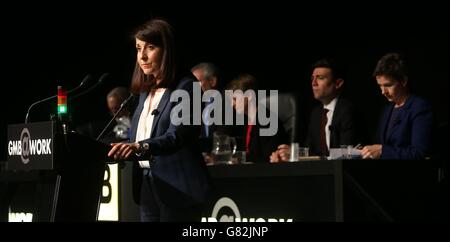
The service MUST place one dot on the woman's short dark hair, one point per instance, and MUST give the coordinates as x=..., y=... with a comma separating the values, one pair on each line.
x=157, y=32
x=393, y=66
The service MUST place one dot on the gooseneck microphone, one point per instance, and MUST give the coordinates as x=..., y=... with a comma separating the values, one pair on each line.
x=124, y=103
x=83, y=82
x=100, y=81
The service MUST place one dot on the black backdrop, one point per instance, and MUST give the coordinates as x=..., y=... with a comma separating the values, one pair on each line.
x=46, y=44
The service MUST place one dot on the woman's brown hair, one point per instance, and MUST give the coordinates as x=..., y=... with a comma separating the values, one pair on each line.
x=157, y=32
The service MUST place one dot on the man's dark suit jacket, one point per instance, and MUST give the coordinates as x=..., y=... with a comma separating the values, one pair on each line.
x=411, y=134
x=344, y=127
x=179, y=172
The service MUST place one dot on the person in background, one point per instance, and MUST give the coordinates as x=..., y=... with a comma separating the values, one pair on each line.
x=119, y=131
x=119, y=128
x=171, y=179
x=208, y=76
x=258, y=148
x=332, y=123
x=405, y=130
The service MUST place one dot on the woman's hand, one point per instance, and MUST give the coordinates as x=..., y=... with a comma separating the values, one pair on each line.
x=122, y=151
x=371, y=151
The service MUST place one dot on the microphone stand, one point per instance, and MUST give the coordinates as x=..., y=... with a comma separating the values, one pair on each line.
x=114, y=117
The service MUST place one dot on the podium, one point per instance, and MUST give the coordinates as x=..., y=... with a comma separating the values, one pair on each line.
x=70, y=169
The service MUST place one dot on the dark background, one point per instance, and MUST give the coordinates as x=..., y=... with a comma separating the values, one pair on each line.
x=48, y=44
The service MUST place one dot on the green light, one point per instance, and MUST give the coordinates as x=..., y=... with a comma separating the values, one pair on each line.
x=62, y=109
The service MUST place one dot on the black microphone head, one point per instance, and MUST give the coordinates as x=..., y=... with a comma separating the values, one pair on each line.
x=86, y=79
x=100, y=80
x=103, y=77
x=83, y=82
x=131, y=96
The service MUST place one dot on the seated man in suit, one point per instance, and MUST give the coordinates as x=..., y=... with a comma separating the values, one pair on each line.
x=332, y=123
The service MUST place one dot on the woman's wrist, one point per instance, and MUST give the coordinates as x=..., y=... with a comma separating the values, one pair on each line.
x=141, y=148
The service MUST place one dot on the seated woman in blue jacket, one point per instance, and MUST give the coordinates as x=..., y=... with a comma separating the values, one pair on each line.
x=405, y=129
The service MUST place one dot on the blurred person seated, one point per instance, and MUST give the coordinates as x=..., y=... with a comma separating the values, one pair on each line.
x=258, y=147
x=209, y=78
x=118, y=131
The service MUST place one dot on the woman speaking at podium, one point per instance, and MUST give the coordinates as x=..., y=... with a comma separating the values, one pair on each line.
x=170, y=179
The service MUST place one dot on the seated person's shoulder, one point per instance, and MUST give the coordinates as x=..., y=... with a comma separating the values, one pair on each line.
x=420, y=103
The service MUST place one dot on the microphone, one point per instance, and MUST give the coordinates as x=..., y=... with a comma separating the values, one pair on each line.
x=100, y=81
x=124, y=103
x=155, y=112
x=83, y=82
